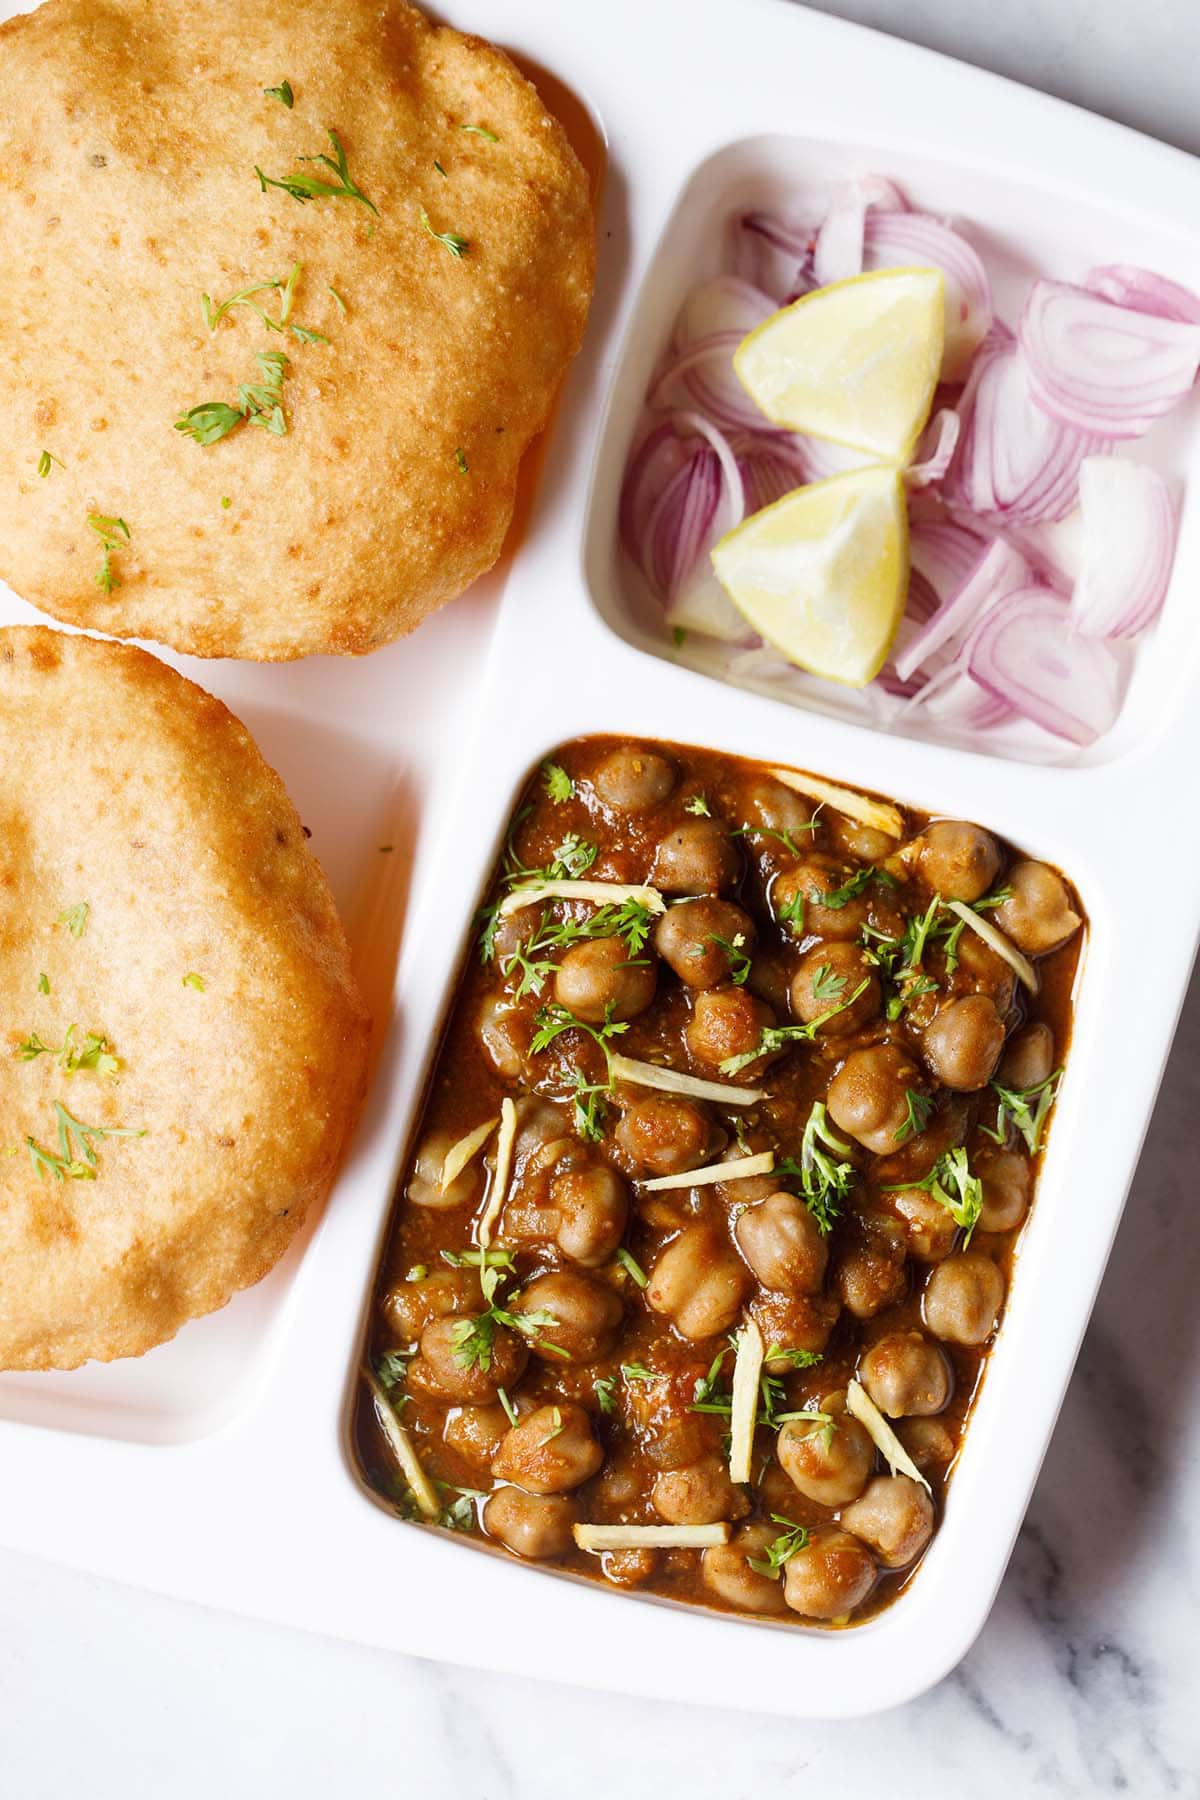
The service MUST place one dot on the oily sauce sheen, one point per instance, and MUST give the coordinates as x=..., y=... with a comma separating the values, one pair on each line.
x=592, y=1399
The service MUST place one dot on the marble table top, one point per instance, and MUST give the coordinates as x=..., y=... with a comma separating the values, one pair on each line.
x=1086, y=1678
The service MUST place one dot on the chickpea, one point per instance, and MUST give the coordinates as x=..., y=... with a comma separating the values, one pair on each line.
x=905, y=1374
x=678, y=1439
x=410, y=1305
x=829, y=976
x=628, y=1568
x=549, y=1451
x=690, y=937
x=513, y=930
x=870, y=1276
x=830, y=1577
x=868, y=1096
x=989, y=973
x=699, y=1494
x=773, y=807
x=770, y=978
x=535, y=1526
x=1006, y=1180
x=442, y=1371
x=619, y=1487
x=826, y=1463
x=929, y=1229
x=474, y=1432
x=794, y=1321
x=963, y=1297
x=810, y=880
x=592, y=1206
x=504, y=1034
x=698, y=1282
x=726, y=1022
x=634, y=780
x=425, y=1184
x=726, y=1570
x=1029, y=1057
x=959, y=861
x=863, y=843
x=963, y=1045
x=1038, y=916
x=698, y=857
x=894, y=1516
x=589, y=1316
x=666, y=1134
x=929, y=1442
x=780, y=1241
x=746, y=1189
x=597, y=980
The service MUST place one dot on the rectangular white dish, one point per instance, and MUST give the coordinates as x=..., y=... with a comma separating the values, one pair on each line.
x=218, y=1468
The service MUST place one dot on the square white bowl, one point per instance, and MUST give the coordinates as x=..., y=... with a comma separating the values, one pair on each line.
x=1024, y=226
x=246, y=1496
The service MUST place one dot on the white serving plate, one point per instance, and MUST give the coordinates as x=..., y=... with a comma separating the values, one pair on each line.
x=218, y=1468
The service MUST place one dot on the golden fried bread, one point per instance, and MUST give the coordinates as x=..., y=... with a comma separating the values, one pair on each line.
x=172, y=967
x=370, y=477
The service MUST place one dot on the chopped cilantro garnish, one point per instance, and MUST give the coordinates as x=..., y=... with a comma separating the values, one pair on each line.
x=1025, y=1109
x=951, y=1183
x=449, y=240
x=775, y=1037
x=557, y=783
x=781, y=1550
x=919, y=1108
x=315, y=187
x=824, y=1182
x=112, y=533
x=283, y=93
x=75, y=918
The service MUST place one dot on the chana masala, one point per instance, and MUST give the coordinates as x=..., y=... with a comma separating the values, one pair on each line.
x=712, y=1206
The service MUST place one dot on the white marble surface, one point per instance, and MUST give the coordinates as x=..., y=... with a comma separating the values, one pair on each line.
x=1086, y=1679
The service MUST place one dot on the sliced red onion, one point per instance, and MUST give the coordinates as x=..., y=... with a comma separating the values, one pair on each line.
x=909, y=239
x=774, y=254
x=702, y=378
x=944, y=551
x=724, y=305
x=771, y=466
x=840, y=241
x=1144, y=292
x=1104, y=369
x=705, y=501
x=1128, y=547
x=1025, y=653
x=935, y=449
x=1013, y=458
x=658, y=458
x=998, y=573
x=954, y=697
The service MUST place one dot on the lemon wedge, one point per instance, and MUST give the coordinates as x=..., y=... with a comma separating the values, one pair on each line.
x=823, y=573
x=857, y=361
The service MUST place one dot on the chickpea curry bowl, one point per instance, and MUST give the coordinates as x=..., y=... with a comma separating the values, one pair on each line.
x=714, y=1196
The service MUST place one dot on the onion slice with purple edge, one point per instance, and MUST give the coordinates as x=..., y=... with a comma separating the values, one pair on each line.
x=1100, y=368
x=895, y=239
x=1143, y=291
x=1013, y=458
x=935, y=450
x=1128, y=547
x=698, y=371
x=841, y=241
x=999, y=572
x=1026, y=654
x=774, y=254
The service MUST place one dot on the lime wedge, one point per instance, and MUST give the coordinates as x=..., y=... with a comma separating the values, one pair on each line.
x=823, y=573
x=857, y=361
